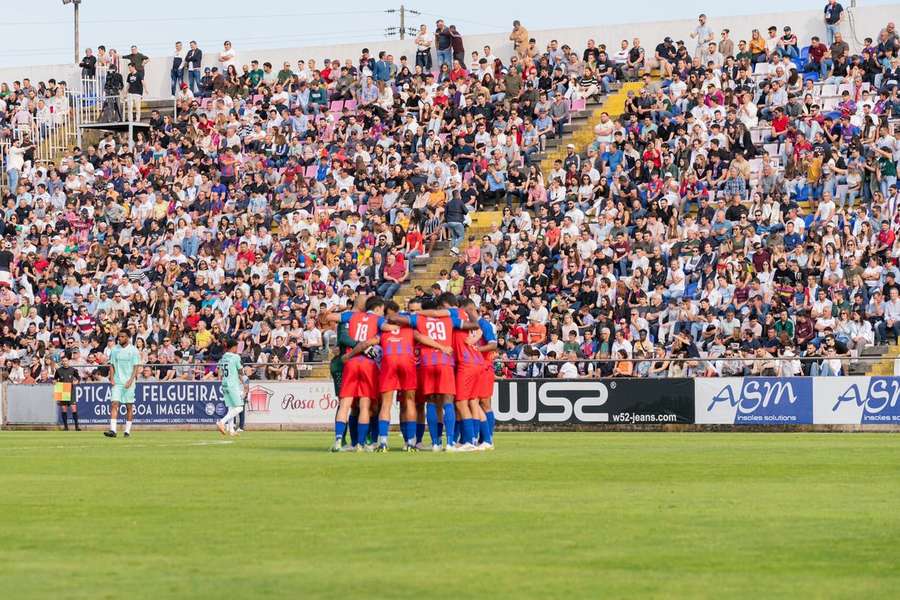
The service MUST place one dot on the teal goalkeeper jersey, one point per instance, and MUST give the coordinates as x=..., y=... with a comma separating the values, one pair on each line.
x=230, y=371
x=124, y=361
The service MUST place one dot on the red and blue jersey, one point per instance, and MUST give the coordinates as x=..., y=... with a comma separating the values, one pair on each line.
x=464, y=348
x=488, y=335
x=362, y=327
x=400, y=346
x=440, y=330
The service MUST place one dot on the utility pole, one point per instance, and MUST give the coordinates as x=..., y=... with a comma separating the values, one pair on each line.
x=403, y=30
x=75, y=4
x=77, y=41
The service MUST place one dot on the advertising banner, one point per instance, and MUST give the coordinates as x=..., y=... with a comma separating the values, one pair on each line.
x=30, y=405
x=594, y=401
x=311, y=402
x=857, y=400
x=754, y=401
x=162, y=402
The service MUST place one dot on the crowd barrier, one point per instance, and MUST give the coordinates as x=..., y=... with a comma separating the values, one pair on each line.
x=751, y=401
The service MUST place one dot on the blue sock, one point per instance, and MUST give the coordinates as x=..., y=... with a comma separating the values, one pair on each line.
x=433, y=425
x=363, y=433
x=490, y=420
x=440, y=431
x=404, y=430
x=420, y=432
x=466, y=431
x=383, y=428
x=354, y=429
x=373, y=433
x=475, y=430
x=340, y=428
x=450, y=422
x=486, y=436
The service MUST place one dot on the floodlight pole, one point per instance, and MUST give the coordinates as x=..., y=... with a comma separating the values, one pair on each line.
x=77, y=45
x=75, y=5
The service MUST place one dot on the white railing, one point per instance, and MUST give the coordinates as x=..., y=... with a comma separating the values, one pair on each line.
x=52, y=132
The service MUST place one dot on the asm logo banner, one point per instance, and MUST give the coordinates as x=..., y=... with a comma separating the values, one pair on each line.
x=754, y=401
x=857, y=400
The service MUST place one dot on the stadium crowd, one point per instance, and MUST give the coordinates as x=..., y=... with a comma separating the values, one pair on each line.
x=745, y=205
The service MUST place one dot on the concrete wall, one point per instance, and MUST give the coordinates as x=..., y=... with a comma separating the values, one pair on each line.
x=868, y=21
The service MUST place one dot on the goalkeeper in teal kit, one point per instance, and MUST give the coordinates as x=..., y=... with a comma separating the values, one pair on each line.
x=233, y=387
x=123, y=370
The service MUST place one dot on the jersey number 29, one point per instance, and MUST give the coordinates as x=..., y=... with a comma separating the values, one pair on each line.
x=436, y=330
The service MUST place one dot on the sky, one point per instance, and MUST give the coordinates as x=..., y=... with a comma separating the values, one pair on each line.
x=41, y=31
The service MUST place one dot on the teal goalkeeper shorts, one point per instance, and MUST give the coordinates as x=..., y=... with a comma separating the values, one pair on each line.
x=122, y=394
x=233, y=398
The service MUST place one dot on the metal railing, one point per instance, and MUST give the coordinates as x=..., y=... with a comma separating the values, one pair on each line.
x=51, y=134
x=296, y=370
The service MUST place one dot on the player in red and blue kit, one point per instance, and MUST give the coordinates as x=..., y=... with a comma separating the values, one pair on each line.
x=484, y=392
x=360, y=377
x=469, y=369
x=437, y=373
x=398, y=374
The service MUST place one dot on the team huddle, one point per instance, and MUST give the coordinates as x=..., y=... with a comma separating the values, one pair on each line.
x=436, y=359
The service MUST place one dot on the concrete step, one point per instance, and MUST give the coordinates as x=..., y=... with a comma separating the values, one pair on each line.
x=874, y=350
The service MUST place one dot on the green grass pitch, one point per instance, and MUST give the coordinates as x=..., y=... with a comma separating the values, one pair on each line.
x=547, y=515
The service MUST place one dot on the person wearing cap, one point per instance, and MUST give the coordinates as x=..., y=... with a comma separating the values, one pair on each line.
x=664, y=57
x=787, y=44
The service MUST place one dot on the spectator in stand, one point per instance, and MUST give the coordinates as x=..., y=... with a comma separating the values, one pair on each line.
x=443, y=43
x=177, y=70
x=456, y=42
x=193, y=61
x=138, y=60
x=702, y=34
x=135, y=94
x=833, y=14
x=424, y=42
x=520, y=39
x=88, y=64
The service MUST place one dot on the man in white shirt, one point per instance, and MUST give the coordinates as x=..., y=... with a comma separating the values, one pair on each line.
x=568, y=370
x=228, y=57
x=892, y=313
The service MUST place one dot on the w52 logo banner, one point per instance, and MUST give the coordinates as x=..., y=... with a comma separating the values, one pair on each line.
x=594, y=401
